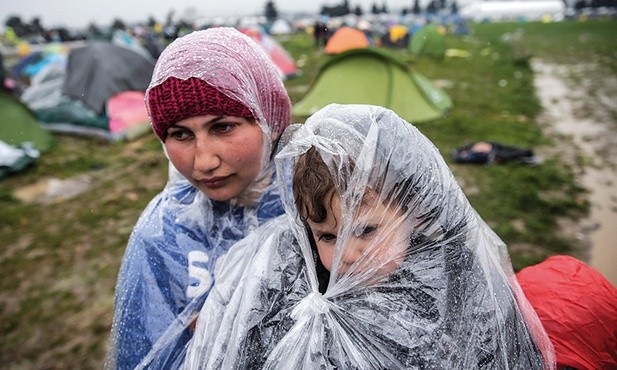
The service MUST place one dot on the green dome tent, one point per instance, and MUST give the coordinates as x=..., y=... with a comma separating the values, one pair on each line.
x=371, y=76
x=428, y=41
x=22, y=139
x=19, y=125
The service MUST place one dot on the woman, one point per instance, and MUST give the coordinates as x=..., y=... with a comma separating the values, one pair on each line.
x=218, y=105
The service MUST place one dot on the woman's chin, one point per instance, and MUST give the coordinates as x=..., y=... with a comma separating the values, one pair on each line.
x=220, y=194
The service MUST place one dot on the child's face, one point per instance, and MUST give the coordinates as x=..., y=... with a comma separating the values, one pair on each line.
x=378, y=241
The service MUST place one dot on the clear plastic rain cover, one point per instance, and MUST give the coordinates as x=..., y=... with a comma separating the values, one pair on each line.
x=399, y=273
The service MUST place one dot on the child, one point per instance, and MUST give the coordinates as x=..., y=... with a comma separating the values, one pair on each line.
x=218, y=106
x=380, y=264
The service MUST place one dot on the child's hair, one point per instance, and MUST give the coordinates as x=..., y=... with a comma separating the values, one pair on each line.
x=313, y=187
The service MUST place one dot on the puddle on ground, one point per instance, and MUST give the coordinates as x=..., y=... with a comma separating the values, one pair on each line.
x=603, y=199
x=596, y=140
x=53, y=190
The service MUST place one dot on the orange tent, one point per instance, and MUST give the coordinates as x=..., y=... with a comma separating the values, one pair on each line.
x=346, y=38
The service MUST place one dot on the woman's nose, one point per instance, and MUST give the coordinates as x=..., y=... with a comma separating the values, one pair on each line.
x=206, y=156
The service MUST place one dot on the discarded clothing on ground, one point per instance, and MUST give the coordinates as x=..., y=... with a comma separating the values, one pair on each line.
x=484, y=152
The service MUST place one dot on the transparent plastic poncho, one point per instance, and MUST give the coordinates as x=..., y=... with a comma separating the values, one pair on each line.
x=441, y=295
x=167, y=269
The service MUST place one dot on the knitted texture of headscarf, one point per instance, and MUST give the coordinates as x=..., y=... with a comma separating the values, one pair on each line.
x=175, y=100
x=217, y=71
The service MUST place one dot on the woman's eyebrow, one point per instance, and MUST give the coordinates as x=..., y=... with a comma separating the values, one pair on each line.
x=213, y=120
x=216, y=119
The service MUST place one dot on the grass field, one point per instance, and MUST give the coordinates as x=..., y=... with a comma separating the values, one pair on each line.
x=58, y=261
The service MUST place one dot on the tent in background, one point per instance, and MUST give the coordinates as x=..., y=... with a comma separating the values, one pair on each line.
x=280, y=27
x=22, y=67
x=122, y=38
x=346, y=38
x=428, y=41
x=22, y=139
x=125, y=118
x=32, y=63
x=45, y=88
x=128, y=115
x=76, y=96
x=19, y=125
x=281, y=58
x=397, y=36
x=371, y=76
x=99, y=70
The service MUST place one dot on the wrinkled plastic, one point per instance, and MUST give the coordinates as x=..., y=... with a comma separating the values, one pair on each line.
x=167, y=270
x=14, y=159
x=451, y=302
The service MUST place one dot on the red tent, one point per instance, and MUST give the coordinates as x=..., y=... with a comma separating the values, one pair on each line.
x=578, y=309
x=281, y=58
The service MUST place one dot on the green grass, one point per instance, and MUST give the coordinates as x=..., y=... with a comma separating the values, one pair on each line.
x=59, y=261
x=568, y=42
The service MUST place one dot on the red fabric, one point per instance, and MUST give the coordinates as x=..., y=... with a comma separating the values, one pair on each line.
x=175, y=100
x=578, y=309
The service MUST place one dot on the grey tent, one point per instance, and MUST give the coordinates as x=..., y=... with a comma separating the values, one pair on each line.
x=99, y=70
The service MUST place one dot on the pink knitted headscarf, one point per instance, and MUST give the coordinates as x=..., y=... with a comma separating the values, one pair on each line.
x=217, y=71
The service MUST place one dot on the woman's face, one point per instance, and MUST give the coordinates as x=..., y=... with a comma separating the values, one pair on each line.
x=377, y=243
x=220, y=155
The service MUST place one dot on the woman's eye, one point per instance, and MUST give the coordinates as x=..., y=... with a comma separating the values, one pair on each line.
x=328, y=238
x=178, y=134
x=223, y=127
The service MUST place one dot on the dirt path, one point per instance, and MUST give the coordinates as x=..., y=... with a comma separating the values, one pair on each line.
x=580, y=113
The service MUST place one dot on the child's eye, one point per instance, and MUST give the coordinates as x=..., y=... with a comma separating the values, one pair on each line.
x=328, y=238
x=364, y=230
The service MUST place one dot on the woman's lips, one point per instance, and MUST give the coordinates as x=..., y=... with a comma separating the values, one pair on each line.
x=215, y=182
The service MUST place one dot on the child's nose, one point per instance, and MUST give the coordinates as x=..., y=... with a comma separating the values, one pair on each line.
x=352, y=252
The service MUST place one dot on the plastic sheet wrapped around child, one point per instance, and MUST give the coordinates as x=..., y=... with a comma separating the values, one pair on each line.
x=380, y=263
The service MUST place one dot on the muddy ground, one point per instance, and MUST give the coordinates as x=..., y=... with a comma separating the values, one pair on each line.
x=580, y=114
